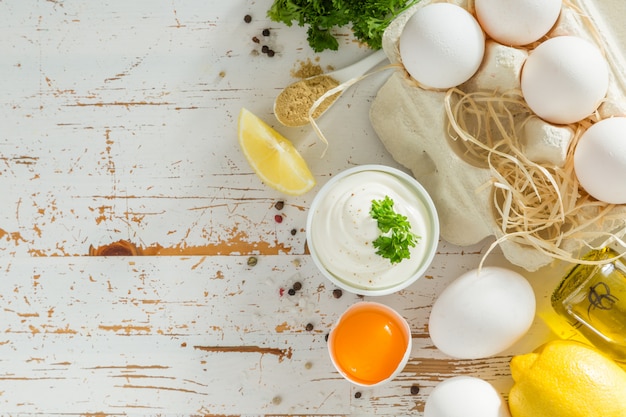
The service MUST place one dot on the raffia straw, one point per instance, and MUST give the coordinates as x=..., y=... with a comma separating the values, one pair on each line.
x=536, y=205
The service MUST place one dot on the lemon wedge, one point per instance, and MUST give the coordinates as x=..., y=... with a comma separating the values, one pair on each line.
x=272, y=157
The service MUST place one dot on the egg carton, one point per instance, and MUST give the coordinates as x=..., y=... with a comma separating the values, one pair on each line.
x=412, y=124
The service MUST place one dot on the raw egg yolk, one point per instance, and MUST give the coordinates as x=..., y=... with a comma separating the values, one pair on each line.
x=369, y=344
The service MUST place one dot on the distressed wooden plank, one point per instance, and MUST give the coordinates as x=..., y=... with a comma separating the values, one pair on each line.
x=119, y=122
x=152, y=374
x=218, y=296
x=157, y=335
x=205, y=335
x=192, y=295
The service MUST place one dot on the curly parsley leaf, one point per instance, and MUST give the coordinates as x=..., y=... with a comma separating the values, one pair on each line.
x=397, y=237
x=369, y=18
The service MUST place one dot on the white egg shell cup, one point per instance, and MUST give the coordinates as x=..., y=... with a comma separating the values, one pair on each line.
x=406, y=329
x=412, y=124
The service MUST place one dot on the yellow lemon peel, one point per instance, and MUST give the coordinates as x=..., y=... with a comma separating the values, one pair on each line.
x=565, y=378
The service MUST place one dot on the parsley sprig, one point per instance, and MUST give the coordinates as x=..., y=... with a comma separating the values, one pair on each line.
x=369, y=18
x=397, y=237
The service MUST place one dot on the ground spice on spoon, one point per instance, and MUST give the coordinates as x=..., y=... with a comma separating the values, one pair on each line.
x=309, y=69
x=295, y=101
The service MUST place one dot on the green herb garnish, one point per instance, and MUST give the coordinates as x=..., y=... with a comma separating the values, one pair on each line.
x=369, y=18
x=397, y=237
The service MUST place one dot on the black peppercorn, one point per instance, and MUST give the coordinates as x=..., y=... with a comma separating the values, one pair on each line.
x=357, y=394
x=415, y=390
x=293, y=232
x=271, y=53
x=309, y=327
x=297, y=286
x=247, y=18
x=266, y=32
x=265, y=49
x=279, y=204
x=337, y=293
x=291, y=291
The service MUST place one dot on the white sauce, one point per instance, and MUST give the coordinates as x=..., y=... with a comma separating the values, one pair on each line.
x=342, y=230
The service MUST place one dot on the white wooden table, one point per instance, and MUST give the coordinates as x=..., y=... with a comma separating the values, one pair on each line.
x=118, y=122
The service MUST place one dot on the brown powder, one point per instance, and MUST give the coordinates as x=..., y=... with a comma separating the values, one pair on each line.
x=307, y=69
x=294, y=102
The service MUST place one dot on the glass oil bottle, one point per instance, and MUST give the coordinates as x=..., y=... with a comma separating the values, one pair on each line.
x=592, y=299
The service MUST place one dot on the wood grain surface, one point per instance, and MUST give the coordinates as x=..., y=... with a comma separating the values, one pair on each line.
x=118, y=123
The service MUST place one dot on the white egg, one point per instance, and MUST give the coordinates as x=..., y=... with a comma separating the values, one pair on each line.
x=442, y=45
x=465, y=396
x=482, y=313
x=517, y=22
x=565, y=79
x=600, y=160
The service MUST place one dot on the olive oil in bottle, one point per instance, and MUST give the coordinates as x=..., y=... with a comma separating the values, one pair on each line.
x=592, y=298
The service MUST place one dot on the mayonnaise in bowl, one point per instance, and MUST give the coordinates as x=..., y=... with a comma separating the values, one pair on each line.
x=341, y=230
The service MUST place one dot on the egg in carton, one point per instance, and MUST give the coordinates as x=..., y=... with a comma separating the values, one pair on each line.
x=415, y=126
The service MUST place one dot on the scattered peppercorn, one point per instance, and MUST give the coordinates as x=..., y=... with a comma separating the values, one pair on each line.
x=291, y=291
x=297, y=286
x=278, y=218
x=337, y=293
x=266, y=32
x=309, y=327
x=255, y=39
x=415, y=390
x=271, y=53
x=279, y=205
x=293, y=232
x=265, y=49
x=357, y=394
x=247, y=18
x=252, y=261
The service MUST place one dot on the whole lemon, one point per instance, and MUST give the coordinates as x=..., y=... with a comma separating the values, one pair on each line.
x=567, y=379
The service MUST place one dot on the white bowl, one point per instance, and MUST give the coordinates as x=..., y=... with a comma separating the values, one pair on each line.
x=363, y=344
x=340, y=230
